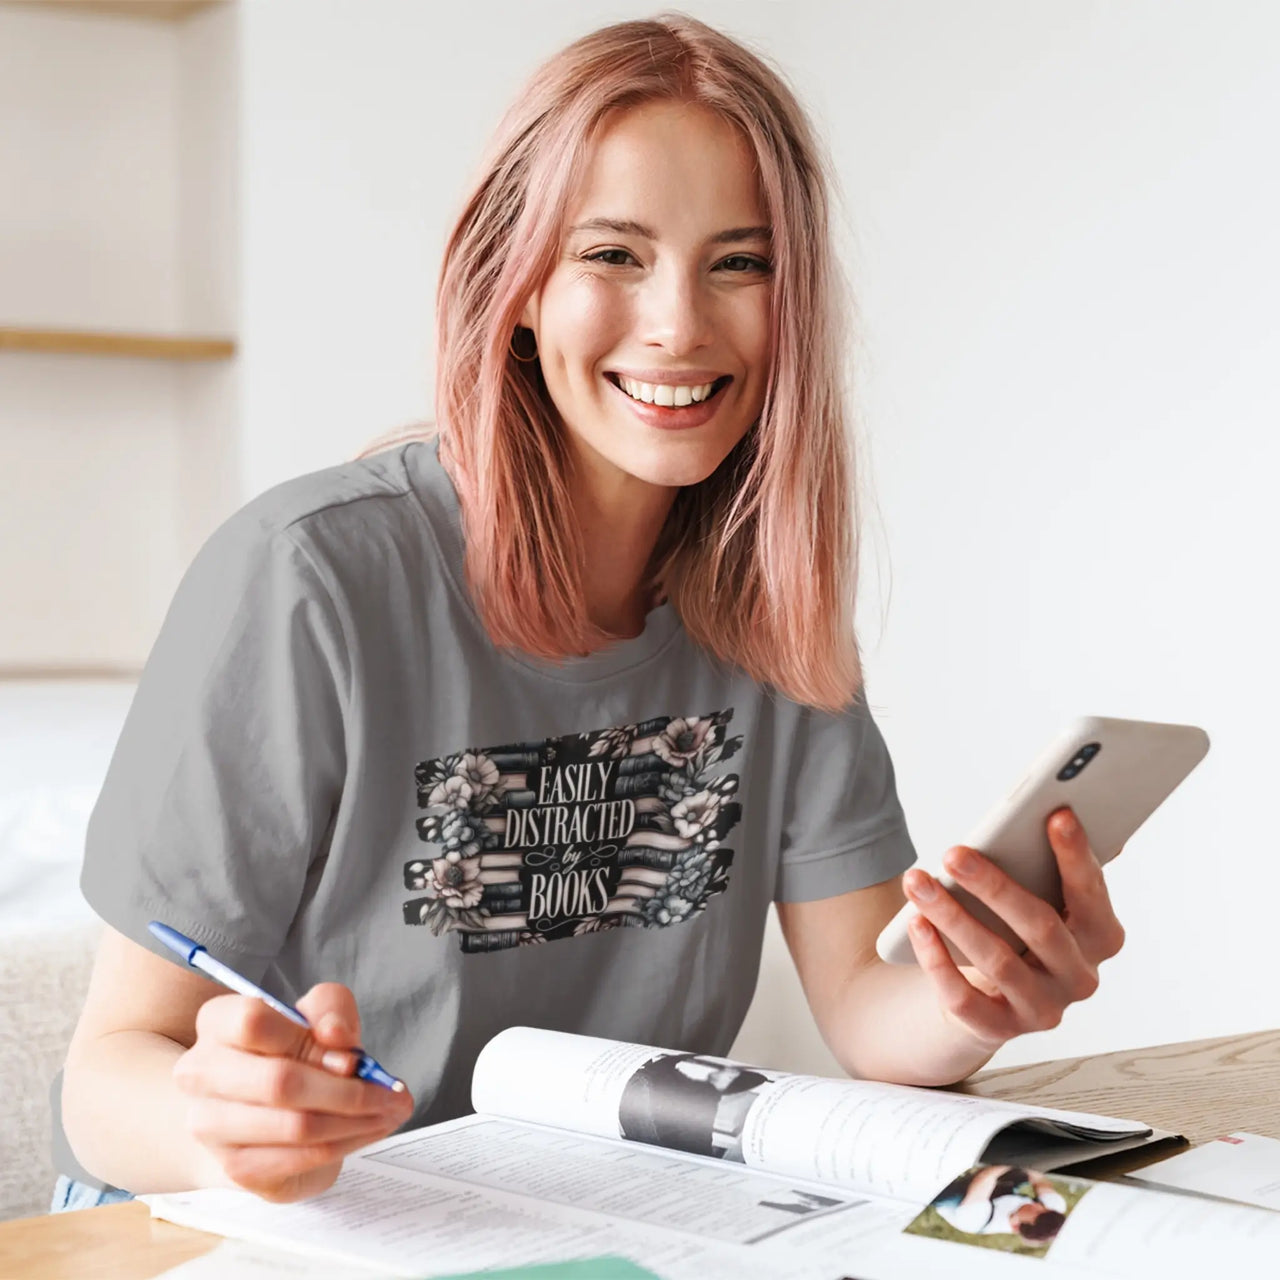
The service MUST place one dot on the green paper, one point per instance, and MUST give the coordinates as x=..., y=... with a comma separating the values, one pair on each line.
x=583, y=1269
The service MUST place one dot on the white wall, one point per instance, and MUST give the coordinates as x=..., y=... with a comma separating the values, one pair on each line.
x=1068, y=257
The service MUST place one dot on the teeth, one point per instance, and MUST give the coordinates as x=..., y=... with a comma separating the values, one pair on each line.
x=664, y=393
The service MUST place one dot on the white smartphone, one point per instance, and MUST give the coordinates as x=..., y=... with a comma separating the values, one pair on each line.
x=1113, y=773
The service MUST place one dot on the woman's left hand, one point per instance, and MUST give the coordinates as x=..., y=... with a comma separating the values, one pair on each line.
x=1006, y=994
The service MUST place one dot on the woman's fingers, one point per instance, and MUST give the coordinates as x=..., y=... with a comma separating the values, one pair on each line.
x=331, y=1009
x=1041, y=929
x=220, y=1071
x=277, y=1104
x=252, y=1026
x=217, y=1122
x=1027, y=992
x=249, y=1024
x=983, y=1016
x=1024, y=988
x=282, y=1173
x=1087, y=902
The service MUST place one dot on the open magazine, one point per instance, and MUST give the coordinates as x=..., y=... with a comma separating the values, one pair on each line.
x=698, y=1167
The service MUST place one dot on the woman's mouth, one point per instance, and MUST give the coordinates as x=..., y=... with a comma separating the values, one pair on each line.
x=656, y=403
x=667, y=395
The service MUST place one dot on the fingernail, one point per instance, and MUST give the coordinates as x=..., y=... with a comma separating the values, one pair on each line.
x=1067, y=824
x=961, y=862
x=336, y=1060
x=920, y=885
x=332, y=1026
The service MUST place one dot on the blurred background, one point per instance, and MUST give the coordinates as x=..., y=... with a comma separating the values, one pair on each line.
x=220, y=230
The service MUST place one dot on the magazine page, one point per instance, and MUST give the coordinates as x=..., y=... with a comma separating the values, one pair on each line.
x=879, y=1139
x=483, y=1192
x=1009, y=1216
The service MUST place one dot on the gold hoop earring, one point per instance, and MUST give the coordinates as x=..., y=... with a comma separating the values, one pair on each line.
x=516, y=354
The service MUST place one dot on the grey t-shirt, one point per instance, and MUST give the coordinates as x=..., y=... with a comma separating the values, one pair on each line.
x=330, y=773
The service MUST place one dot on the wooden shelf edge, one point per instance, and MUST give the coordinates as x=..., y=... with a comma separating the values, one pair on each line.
x=138, y=345
x=19, y=671
x=161, y=10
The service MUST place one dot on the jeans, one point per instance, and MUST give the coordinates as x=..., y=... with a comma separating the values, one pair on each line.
x=69, y=1194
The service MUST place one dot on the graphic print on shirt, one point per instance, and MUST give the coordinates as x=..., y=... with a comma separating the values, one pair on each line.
x=611, y=828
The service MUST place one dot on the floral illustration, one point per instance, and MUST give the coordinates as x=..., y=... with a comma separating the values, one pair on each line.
x=694, y=814
x=659, y=788
x=682, y=739
x=480, y=774
x=452, y=791
x=613, y=744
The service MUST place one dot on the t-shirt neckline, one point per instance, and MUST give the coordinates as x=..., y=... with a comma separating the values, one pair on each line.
x=435, y=491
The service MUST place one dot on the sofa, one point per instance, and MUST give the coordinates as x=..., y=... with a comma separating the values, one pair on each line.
x=44, y=974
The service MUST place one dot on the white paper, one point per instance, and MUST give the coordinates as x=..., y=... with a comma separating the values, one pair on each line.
x=445, y=1199
x=1122, y=1230
x=879, y=1139
x=483, y=1193
x=1239, y=1166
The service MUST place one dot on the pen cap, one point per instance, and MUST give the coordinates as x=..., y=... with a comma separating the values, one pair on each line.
x=174, y=940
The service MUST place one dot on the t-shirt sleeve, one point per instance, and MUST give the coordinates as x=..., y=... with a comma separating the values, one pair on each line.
x=843, y=827
x=222, y=790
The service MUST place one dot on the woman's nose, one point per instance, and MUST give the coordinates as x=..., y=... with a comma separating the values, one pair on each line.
x=676, y=312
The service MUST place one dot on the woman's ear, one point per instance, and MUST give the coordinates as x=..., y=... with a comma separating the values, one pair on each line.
x=529, y=316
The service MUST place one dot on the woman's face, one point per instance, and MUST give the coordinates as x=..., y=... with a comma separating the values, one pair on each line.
x=662, y=286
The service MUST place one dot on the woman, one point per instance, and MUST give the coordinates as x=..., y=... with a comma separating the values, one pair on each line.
x=580, y=673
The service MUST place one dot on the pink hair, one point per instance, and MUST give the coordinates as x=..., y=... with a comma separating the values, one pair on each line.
x=760, y=559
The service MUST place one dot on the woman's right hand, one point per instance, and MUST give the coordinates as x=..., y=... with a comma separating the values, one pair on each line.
x=276, y=1105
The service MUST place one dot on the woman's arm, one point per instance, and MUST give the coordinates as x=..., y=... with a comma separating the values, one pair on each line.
x=123, y=1116
x=933, y=1023
x=170, y=1085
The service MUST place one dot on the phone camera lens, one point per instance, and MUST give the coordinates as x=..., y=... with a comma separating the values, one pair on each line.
x=1079, y=761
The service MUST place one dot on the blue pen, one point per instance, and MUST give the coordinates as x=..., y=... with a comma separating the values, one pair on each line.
x=198, y=958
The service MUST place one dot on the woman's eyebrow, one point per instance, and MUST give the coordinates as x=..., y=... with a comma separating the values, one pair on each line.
x=628, y=227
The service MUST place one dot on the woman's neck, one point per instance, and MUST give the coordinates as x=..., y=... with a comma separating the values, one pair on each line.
x=620, y=519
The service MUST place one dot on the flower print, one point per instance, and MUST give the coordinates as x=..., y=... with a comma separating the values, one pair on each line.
x=454, y=792
x=666, y=907
x=597, y=924
x=613, y=744
x=690, y=874
x=682, y=739
x=461, y=835
x=695, y=814
x=456, y=884
x=480, y=774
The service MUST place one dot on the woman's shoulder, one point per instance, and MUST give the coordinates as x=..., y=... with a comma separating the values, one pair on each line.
x=345, y=518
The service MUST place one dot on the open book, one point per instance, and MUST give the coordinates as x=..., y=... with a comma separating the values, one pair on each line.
x=700, y=1167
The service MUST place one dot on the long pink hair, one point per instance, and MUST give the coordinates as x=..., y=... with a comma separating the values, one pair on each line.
x=760, y=559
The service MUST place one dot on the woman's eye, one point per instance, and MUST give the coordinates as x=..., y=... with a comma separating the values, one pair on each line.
x=608, y=257
x=735, y=264
x=746, y=263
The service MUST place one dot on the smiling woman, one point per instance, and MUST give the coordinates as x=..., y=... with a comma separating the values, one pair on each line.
x=667, y=197
x=624, y=560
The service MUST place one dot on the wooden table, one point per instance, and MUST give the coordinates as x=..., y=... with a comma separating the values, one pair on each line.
x=1199, y=1089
